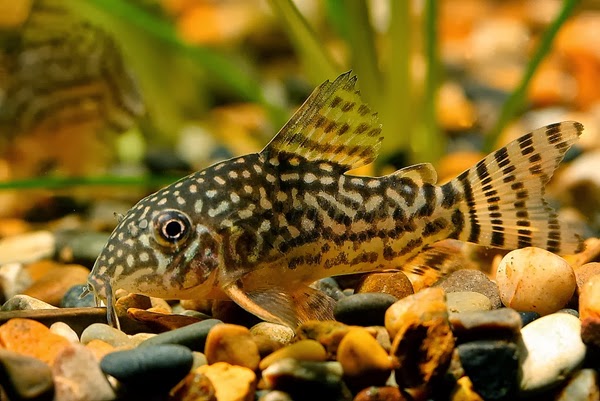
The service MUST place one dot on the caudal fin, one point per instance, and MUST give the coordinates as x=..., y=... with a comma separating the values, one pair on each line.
x=502, y=195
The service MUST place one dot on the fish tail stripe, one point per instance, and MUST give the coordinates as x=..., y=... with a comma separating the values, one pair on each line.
x=503, y=204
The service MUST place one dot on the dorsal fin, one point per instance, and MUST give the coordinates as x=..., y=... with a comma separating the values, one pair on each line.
x=422, y=173
x=333, y=125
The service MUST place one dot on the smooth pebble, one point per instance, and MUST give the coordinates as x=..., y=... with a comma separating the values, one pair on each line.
x=194, y=387
x=199, y=359
x=53, y=285
x=423, y=340
x=32, y=338
x=73, y=298
x=274, y=395
x=231, y=383
x=551, y=349
x=149, y=369
x=467, y=301
x=24, y=377
x=392, y=283
x=503, y=323
x=63, y=329
x=589, y=310
x=25, y=302
x=364, y=361
x=106, y=333
x=99, y=348
x=277, y=332
x=192, y=336
x=328, y=332
x=13, y=279
x=582, y=386
x=330, y=287
x=385, y=393
x=306, y=379
x=528, y=317
x=233, y=344
x=78, y=366
x=366, y=309
x=429, y=302
x=584, y=272
x=533, y=279
x=471, y=280
x=492, y=367
x=303, y=350
x=138, y=338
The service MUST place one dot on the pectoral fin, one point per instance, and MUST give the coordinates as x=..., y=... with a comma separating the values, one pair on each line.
x=283, y=306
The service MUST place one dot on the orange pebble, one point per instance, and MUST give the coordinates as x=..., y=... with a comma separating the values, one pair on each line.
x=99, y=348
x=31, y=338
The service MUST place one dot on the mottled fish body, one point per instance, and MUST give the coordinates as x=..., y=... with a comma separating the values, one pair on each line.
x=261, y=227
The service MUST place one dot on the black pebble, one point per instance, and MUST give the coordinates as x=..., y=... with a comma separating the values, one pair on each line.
x=149, y=369
x=365, y=309
x=192, y=336
x=307, y=380
x=492, y=367
x=330, y=287
x=72, y=298
x=528, y=317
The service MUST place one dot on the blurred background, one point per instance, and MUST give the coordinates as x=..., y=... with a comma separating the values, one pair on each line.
x=104, y=101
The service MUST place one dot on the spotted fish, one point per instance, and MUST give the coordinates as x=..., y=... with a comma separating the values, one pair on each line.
x=259, y=228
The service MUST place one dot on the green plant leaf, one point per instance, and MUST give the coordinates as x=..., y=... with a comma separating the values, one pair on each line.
x=318, y=64
x=67, y=182
x=429, y=144
x=516, y=100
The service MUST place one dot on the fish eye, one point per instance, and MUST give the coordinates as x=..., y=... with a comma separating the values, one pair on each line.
x=171, y=228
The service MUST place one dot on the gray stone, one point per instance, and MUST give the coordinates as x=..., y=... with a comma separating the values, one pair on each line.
x=303, y=379
x=365, y=309
x=73, y=299
x=194, y=313
x=25, y=302
x=471, y=280
x=551, y=348
x=528, y=317
x=492, y=367
x=330, y=287
x=106, y=333
x=192, y=336
x=25, y=378
x=569, y=311
x=149, y=369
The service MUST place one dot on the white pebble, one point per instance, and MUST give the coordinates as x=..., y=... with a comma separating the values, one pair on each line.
x=551, y=350
x=14, y=279
x=535, y=280
x=63, y=329
x=139, y=338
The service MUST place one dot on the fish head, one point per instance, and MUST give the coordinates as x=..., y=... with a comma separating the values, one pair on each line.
x=160, y=248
